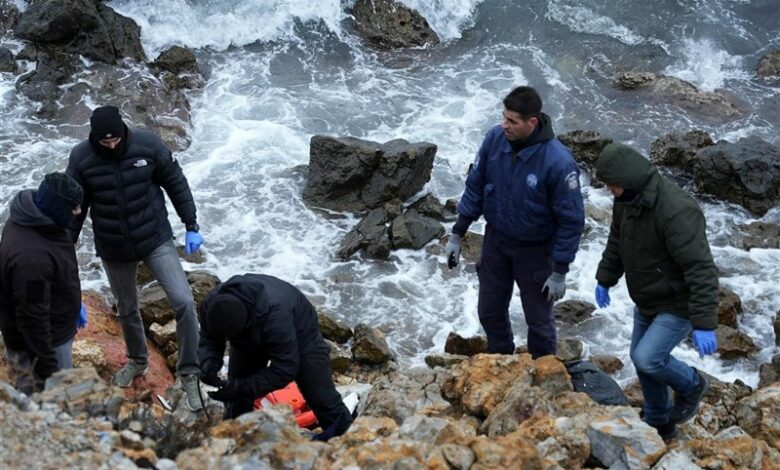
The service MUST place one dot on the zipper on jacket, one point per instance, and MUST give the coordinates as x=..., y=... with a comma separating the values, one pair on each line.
x=122, y=206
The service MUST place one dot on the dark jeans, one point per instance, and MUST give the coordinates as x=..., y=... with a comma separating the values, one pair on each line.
x=505, y=261
x=314, y=381
x=652, y=341
x=164, y=263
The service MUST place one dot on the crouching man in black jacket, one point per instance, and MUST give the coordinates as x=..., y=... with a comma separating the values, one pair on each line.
x=266, y=319
x=40, y=292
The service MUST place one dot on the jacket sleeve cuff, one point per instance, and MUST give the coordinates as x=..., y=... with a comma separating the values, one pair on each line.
x=462, y=225
x=561, y=268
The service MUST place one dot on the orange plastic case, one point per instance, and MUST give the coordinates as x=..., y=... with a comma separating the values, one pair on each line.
x=290, y=395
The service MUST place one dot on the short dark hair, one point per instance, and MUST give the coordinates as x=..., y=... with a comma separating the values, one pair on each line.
x=525, y=101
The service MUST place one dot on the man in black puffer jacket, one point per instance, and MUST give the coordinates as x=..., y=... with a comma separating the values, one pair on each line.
x=40, y=292
x=123, y=172
x=266, y=319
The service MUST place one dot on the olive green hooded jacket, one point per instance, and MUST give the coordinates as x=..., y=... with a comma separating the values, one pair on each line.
x=658, y=241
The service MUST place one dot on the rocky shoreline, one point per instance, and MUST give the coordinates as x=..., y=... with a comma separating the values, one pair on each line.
x=468, y=409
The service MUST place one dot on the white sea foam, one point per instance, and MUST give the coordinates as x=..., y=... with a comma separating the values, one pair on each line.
x=447, y=17
x=706, y=65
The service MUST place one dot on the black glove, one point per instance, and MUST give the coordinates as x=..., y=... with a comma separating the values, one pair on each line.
x=229, y=392
x=211, y=377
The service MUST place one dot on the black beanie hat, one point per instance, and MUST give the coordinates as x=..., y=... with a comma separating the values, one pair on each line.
x=106, y=123
x=57, y=196
x=227, y=316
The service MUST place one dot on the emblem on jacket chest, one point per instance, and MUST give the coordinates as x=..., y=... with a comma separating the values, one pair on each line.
x=531, y=180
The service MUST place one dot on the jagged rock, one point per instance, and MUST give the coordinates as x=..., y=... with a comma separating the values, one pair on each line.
x=759, y=414
x=633, y=391
x=82, y=392
x=769, y=373
x=729, y=307
x=711, y=104
x=676, y=460
x=716, y=412
x=520, y=403
x=510, y=451
x=550, y=375
x=757, y=235
x=608, y=364
x=625, y=442
x=53, y=69
x=435, y=431
x=585, y=146
x=154, y=306
x=28, y=52
x=677, y=150
x=340, y=359
x=7, y=62
x=388, y=24
x=568, y=349
x=369, y=346
x=89, y=353
x=768, y=69
x=479, y=384
x=164, y=336
x=733, y=344
x=179, y=68
x=369, y=429
x=9, y=14
x=371, y=235
x=746, y=172
x=429, y=206
x=348, y=174
x=561, y=440
x=201, y=282
x=414, y=230
x=333, y=330
x=400, y=396
x=81, y=27
x=456, y=344
x=444, y=360
x=573, y=312
x=734, y=452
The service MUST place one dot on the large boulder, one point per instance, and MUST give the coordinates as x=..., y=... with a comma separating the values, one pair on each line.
x=333, y=329
x=371, y=235
x=414, y=230
x=757, y=234
x=457, y=344
x=733, y=344
x=625, y=442
x=585, y=146
x=9, y=13
x=768, y=69
x=711, y=104
x=369, y=346
x=179, y=68
x=349, y=174
x=400, y=396
x=52, y=70
x=677, y=150
x=746, y=172
x=82, y=27
x=716, y=411
x=729, y=307
x=759, y=414
x=388, y=24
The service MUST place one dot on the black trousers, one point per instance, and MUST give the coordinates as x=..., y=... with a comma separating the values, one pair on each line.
x=503, y=263
x=314, y=380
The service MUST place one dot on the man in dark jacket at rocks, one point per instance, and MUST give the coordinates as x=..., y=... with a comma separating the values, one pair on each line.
x=123, y=172
x=526, y=184
x=658, y=240
x=40, y=292
x=266, y=319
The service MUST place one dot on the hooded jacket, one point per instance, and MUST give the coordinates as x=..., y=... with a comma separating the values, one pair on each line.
x=659, y=241
x=282, y=325
x=123, y=193
x=531, y=196
x=40, y=291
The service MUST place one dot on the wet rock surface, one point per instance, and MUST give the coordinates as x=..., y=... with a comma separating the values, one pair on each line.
x=388, y=24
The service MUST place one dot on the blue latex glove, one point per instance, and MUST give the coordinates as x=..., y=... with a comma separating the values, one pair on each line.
x=602, y=296
x=192, y=242
x=81, y=321
x=705, y=342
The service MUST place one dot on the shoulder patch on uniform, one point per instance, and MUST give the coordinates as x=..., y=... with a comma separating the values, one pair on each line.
x=572, y=180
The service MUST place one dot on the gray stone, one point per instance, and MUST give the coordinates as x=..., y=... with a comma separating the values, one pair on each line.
x=520, y=403
x=333, y=329
x=677, y=150
x=573, y=312
x=768, y=69
x=444, y=360
x=370, y=235
x=756, y=234
x=608, y=364
x=388, y=24
x=178, y=67
x=420, y=428
x=340, y=358
x=7, y=61
x=52, y=70
x=746, y=172
x=729, y=307
x=429, y=206
x=676, y=460
x=164, y=336
x=28, y=52
x=585, y=146
x=414, y=230
x=769, y=373
x=369, y=346
x=8, y=15
x=625, y=442
x=348, y=174
x=154, y=306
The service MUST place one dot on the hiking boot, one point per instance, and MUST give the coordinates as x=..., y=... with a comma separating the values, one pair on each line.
x=666, y=431
x=191, y=386
x=686, y=406
x=124, y=376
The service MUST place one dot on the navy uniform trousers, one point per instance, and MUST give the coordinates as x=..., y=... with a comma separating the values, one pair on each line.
x=506, y=261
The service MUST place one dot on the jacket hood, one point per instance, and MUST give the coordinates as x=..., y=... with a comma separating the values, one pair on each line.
x=620, y=165
x=25, y=212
